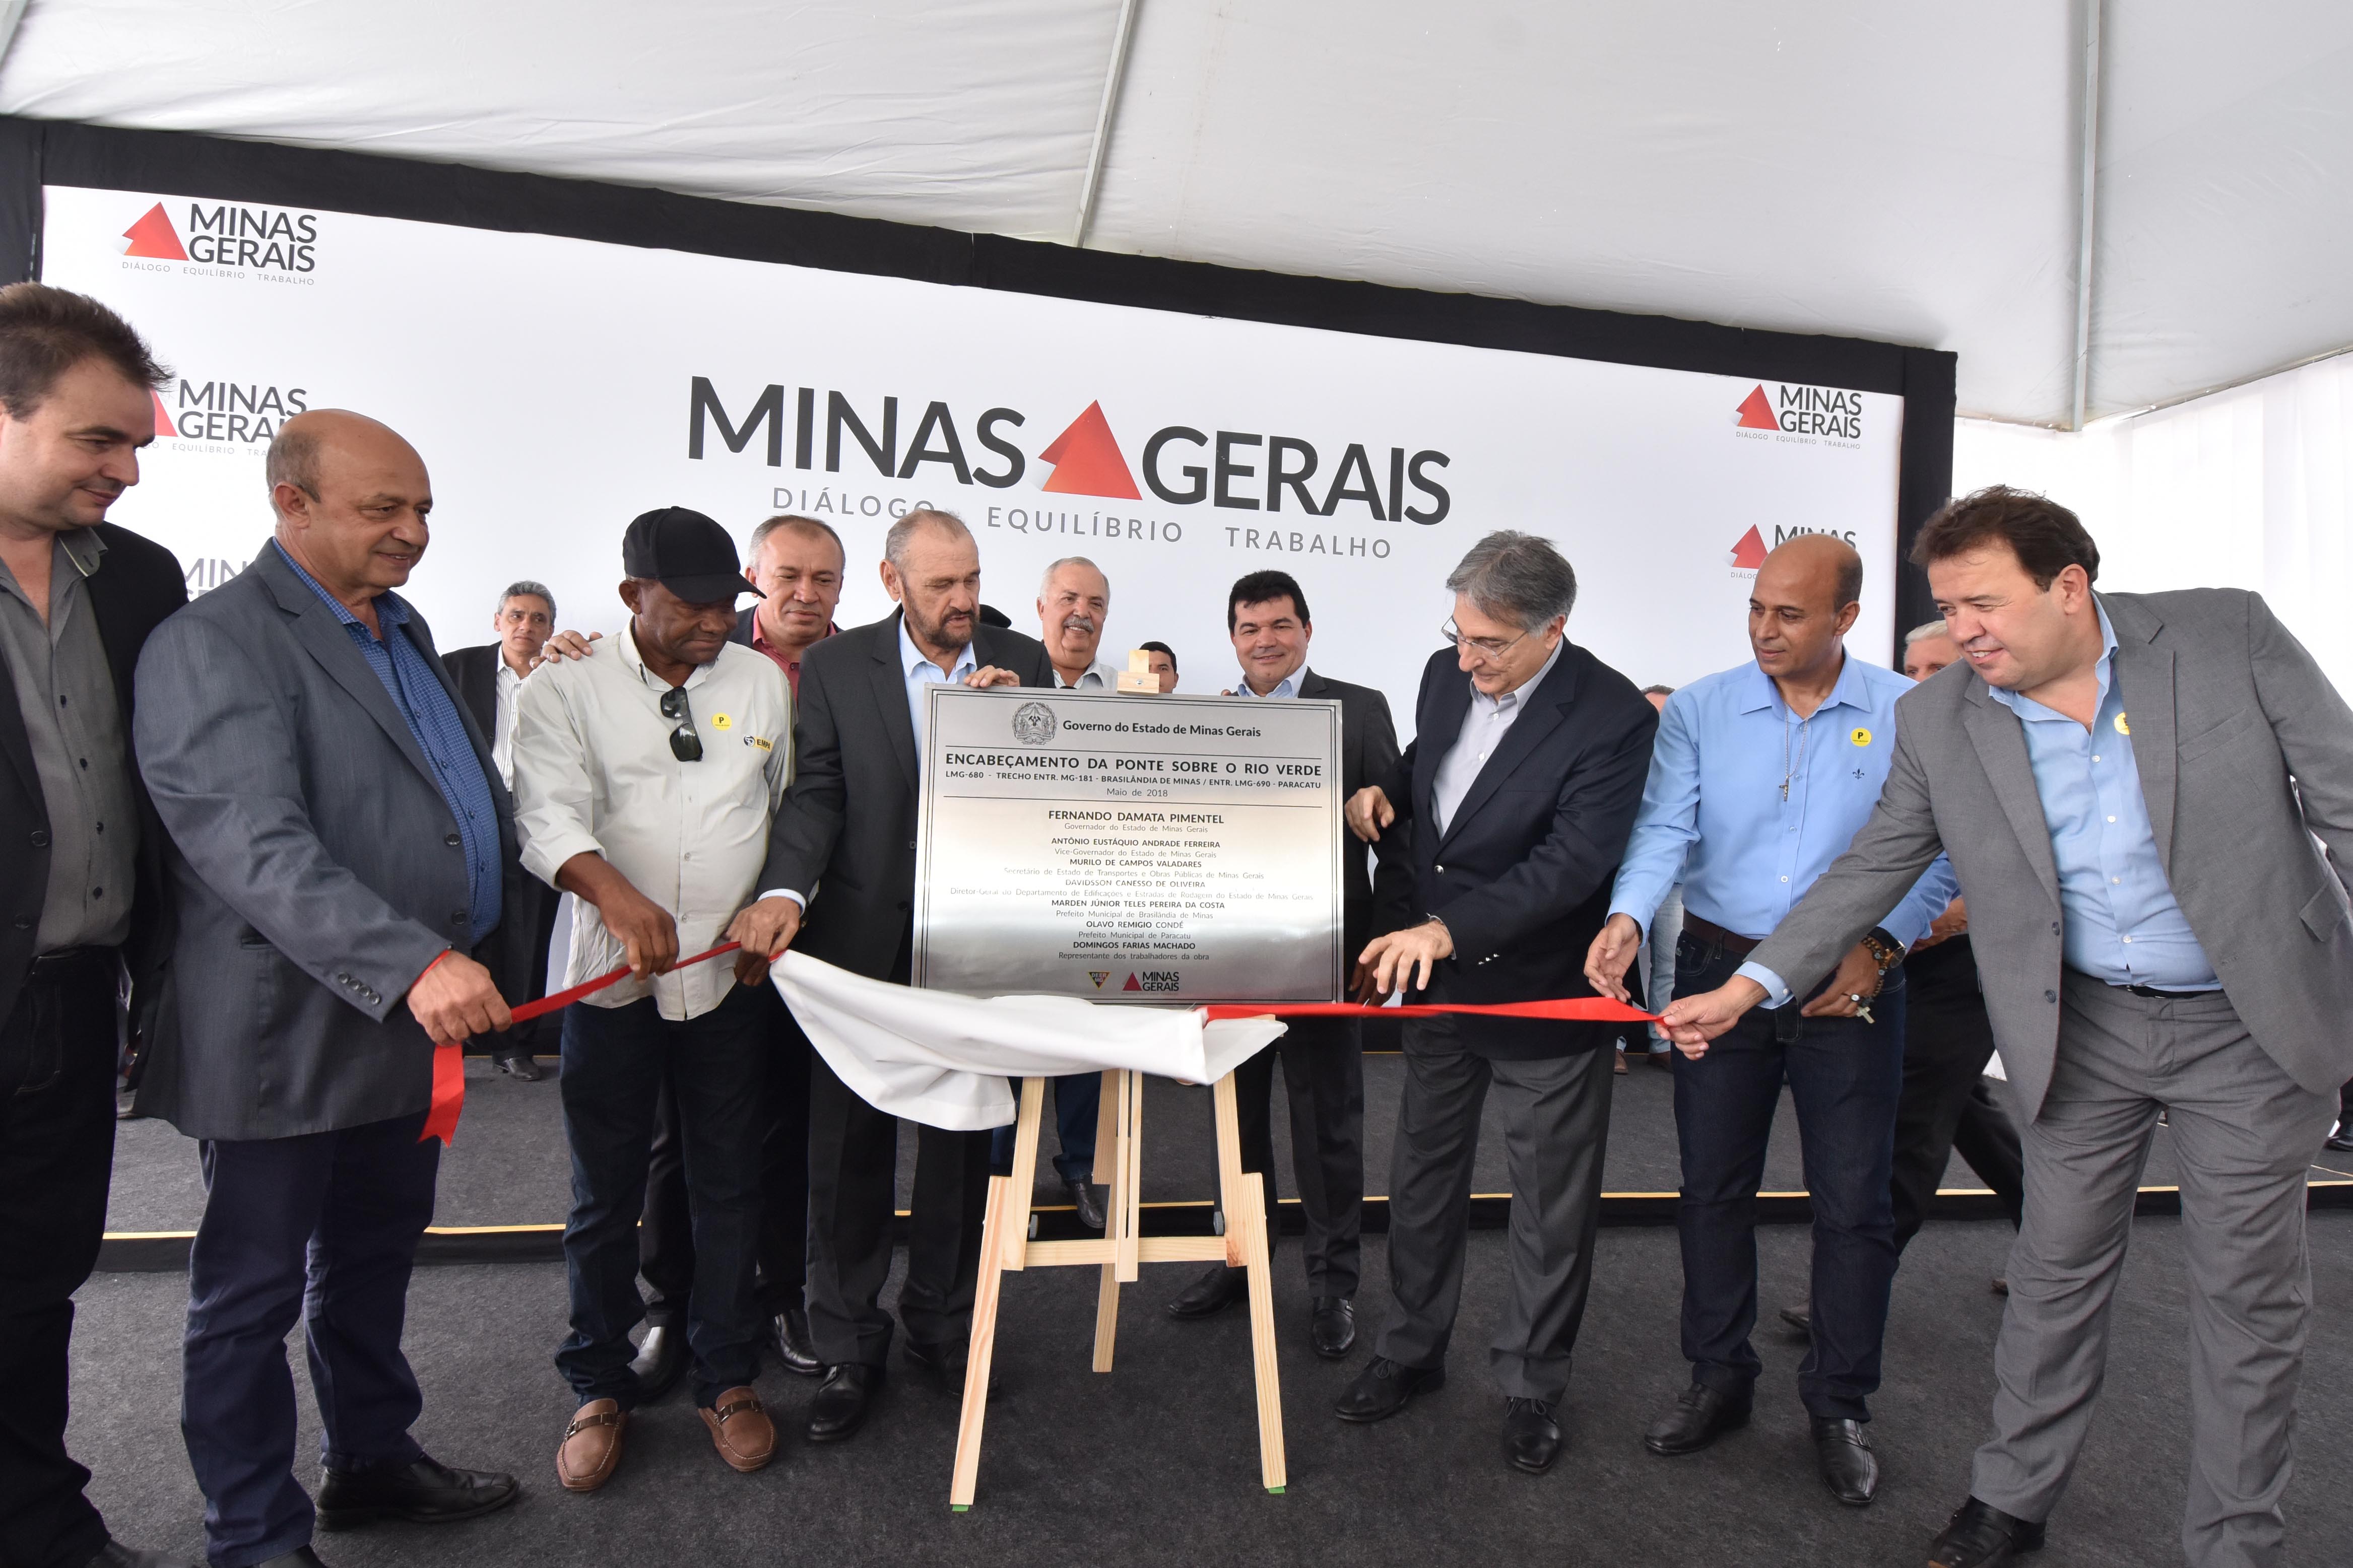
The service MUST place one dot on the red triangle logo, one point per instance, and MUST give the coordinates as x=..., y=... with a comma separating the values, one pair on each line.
x=1131, y=984
x=153, y=238
x=1757, y=411
x=1749, y=553
x=1087, y=462
x=163, y=425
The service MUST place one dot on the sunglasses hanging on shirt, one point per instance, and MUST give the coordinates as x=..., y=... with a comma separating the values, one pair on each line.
x=684, y=744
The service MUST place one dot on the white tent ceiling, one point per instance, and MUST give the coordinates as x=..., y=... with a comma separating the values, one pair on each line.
x=1901, y=172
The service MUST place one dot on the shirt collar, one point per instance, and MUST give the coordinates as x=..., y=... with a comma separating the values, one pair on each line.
x=83, y=547
x=760, y=639
x=1518, y=694
x=1847, y=689
x=910, y=655
x=636, y=662
x=1287, y=686
x=391, y=609
x=2027, y=708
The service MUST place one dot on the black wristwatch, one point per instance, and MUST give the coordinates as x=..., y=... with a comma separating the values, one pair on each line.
x=1884, y=949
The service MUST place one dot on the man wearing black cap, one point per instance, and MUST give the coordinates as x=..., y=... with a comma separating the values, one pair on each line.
x=644, y=784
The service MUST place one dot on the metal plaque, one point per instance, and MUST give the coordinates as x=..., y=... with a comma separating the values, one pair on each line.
x=1129, y=848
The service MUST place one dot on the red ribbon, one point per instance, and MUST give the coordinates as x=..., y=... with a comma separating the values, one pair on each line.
x=450, y=1059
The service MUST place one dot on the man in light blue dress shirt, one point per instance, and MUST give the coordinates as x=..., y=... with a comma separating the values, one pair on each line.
x=1760, y=776
x=2149, y=799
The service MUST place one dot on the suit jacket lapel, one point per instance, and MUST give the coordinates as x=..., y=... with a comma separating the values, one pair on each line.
x=323, y=638
x=2144, y=677
x=2000, y=738
x=891, y=701
x=1548, y=706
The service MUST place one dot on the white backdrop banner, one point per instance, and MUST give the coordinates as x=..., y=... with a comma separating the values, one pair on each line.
x=558, y=387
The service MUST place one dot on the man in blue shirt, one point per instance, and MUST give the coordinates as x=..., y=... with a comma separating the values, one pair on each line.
x=2131, y=786
x=1760, y=776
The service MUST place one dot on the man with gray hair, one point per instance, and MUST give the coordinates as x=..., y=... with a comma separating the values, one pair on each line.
x=1526, y=776
x=488, y=677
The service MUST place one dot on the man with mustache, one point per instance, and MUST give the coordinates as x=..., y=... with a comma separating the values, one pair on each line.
x=844, y=851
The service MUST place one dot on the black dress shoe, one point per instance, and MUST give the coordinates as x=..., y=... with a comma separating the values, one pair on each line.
x=1384, y=1388
x=943, y=1365
x=1701, y=1416
x=1800, y=1318
x=1212, y=1293
x=1332, y=1326
x=789, y=1336
x=842, y=1401
x=1848, y=1467
x=1088, y=1199
x=1980, y=1535
x=2342, y=1139
x=661, y=1356
x=1531, y=1436
x=521, y=1063
x=301, y=1557
x=114, y=1555
x=421, y=1491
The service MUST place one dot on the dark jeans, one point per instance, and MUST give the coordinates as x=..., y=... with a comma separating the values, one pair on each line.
x=1844, y=1076
x=1324, y=1080
x=323, y=1226
x=57, y=1152
x=616, y=1061
x=1078, y=1103
x=666, y=1234
x=1947, y=1040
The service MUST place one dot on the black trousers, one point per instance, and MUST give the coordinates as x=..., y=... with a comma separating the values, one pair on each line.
x=1324, y=1080
x=666, y=1231
x=57, y=1154
x=322, y=1227
x=541, y=1036
x=1944, y=1106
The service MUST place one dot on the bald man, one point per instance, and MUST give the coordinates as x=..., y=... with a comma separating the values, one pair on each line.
x=1761, y=775
x=341, y=857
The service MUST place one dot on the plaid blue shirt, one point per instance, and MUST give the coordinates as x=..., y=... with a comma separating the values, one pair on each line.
x=440, y=732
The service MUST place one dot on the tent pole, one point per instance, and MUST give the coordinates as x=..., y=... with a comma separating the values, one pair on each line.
x=1104, y=113
x=2085, y=200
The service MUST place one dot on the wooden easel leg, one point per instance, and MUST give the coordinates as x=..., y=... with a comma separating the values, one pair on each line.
x=1244, y=1196
x=1004, y=1238
x=1110, y=1154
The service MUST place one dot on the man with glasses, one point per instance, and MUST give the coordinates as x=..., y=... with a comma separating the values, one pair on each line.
x=644, y=784
x=1515, y=798
x=1763, y=773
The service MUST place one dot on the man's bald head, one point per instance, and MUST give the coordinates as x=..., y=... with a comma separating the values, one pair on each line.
x=1819, y=569
x=351, y=499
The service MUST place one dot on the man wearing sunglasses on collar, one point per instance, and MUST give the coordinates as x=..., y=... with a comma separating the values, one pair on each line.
x=645, y=782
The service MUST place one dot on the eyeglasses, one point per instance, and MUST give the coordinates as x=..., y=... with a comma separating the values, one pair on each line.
x=1480, y=647
x=684, y=744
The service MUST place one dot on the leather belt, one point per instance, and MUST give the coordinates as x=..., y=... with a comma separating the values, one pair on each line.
x=66, y=959
x=2152, y=991
x=1707, y=930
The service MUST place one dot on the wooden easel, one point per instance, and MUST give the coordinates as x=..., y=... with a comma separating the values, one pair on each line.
x=1005, y=1245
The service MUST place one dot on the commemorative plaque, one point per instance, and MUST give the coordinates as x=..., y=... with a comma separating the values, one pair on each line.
x=1137, y=849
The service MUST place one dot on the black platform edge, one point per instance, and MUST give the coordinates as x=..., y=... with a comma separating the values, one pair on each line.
x=166, y=1252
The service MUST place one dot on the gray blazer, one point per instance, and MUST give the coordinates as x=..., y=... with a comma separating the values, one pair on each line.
x=2246, y=754
x=315, y=870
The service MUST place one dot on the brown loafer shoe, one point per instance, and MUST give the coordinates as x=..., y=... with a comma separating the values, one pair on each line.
x=740, y=1430
x=592, y=1446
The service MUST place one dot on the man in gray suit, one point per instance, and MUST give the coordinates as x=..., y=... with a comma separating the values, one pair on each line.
x=2129, y=786
x=342, y=853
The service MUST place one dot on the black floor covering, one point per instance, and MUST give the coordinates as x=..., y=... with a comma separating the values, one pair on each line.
x=1156, y=1463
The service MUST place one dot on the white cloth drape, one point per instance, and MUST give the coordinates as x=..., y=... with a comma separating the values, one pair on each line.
x=942, y=1058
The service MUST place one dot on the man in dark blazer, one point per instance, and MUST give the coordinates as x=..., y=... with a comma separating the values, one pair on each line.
x=488, y=677
x=341, y=850
x=83, y=891
x=2130, y=787
x=844, y=851
x=1517, y=796
x=1323, y=1058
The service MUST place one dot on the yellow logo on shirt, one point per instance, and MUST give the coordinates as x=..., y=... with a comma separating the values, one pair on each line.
x=1861, y=737
x=759, y=741
x=720, y=721
x=2123, y=728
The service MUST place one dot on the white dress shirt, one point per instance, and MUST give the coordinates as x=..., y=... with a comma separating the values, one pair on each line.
x=921, y=672
x=502, y=723
x=1096, y=676
x=594, y=774
x=1484, y=728
x=1287, y=686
